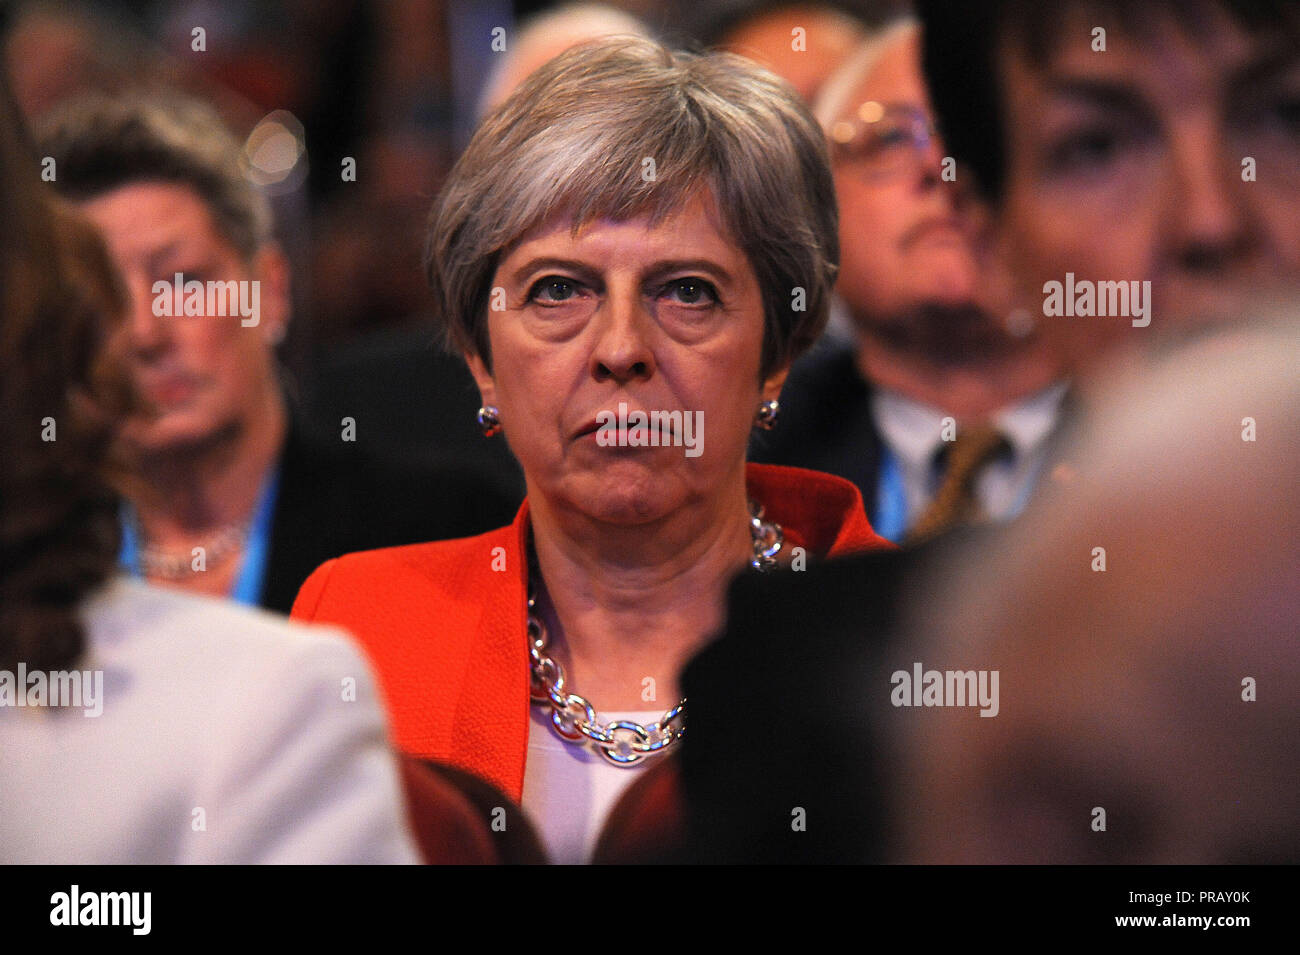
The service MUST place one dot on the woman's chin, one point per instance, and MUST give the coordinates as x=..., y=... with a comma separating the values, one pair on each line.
x=622, y=495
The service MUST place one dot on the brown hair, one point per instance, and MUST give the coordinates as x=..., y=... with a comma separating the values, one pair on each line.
x=61, y=303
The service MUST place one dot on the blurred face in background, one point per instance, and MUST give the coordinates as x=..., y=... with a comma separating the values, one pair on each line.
x=200, y=377
x=802, y=43
x=911, y=269
x=1131, y=164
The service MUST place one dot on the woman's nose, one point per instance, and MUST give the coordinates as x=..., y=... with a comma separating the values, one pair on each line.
x=1207, y=219
x=623, y=349
x=935, y=168
x=148, y=328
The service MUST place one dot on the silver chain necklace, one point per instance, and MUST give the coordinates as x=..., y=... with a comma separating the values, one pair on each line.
x=621, y=742
x=155, y=562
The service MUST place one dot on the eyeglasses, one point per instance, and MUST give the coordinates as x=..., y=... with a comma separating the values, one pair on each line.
x=883, y=140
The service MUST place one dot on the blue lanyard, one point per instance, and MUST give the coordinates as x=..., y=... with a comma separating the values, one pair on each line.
x=890, y=520
x=252, y=572
x=247, y=588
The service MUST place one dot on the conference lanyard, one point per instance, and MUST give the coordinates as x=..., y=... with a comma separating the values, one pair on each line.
x=890, y=519
x=249, y=581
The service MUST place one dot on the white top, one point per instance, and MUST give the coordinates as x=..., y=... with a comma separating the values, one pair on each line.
x=914, y=432
x=227, y=735
x=569, y=789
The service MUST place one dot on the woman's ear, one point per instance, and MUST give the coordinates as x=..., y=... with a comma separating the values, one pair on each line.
x=271, y=269
x=773, y=383
x=487, y=388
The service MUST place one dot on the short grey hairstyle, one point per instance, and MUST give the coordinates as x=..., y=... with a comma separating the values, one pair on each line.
x=100, y=143
x=572, y=140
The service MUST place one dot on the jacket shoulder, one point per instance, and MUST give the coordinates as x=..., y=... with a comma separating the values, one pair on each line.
x=354, y=584
x=435, y=620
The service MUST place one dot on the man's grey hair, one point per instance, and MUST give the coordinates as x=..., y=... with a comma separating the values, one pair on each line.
x=574, y=140
x=101, y=143
x=834, y=97
x=548, y=34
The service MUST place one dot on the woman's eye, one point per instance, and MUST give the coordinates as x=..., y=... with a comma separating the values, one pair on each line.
x=552, y=288
x=187, y=275
x=1282, y=115
x=1085, y=149
x=890, y=137
x=691, y=292
x=1287, y=112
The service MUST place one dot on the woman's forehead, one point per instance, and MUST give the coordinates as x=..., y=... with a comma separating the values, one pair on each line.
x=695, y=214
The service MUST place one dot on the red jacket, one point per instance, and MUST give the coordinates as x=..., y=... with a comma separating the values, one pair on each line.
x=444, y=625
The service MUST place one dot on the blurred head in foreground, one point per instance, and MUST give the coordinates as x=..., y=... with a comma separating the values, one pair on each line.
x=1143, y=627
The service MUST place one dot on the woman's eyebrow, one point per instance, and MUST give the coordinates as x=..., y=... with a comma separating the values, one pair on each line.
x=1108, y=94
x=581, y=269
x=1265, y=65
x=587, y=273
x=668, y=266
x=163, y=254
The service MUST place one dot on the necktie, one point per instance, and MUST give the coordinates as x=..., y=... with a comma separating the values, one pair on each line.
x=954, y=503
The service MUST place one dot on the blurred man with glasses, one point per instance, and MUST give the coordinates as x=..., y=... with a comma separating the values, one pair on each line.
x=941, y=404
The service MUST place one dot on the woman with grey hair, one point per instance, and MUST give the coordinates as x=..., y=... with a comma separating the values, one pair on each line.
x=629, y=254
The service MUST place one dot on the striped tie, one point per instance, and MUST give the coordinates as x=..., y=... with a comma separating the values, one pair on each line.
x=954, y=503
